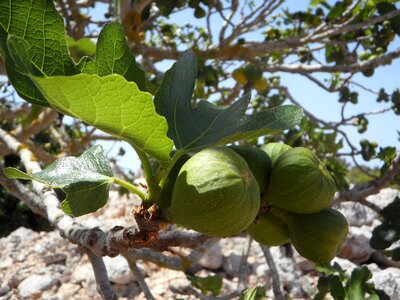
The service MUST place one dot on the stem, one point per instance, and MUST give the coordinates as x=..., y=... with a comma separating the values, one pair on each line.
x=174, y=159
x=130, y=187
x=152, y=183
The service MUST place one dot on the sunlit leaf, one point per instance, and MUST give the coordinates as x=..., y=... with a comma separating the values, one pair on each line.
x=85, y=180
x=113, y=56
x=193, y=128
x=38, y=23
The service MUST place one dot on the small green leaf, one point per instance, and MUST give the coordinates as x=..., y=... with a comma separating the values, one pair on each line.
x=112, y=105
x=257, y=293
x=113, y=56
x=80, y=48
x=85, y=179
x=39, y=24
x=212, y=283
x=323, y=287
x=337, y=290
x=356, y=286
x=328, y=269
x=206, y=124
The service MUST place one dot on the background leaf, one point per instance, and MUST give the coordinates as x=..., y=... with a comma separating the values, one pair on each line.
x=212, y=283
x=206, y=124
x=257, y=293
x=113, y=105
x=39, y=24
x=85, y=179
x=355, y=287
x=113, y=56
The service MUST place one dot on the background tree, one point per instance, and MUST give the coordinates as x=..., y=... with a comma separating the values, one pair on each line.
x=241, y=47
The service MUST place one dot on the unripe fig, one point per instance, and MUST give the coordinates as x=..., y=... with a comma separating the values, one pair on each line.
x=259, y=163
x=261, y=84
x=274, y=150
x=253, y=72
x=300, y=183
x=164, y=199
x=215, y=193
x=318, y=236
x=269, y=230
x=239, y=76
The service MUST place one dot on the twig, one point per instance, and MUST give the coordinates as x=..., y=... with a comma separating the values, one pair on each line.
x=276, y=284
x=169, y=262
x=100, y=273
x=243, y=263
x=139, y=277
x=359, y=192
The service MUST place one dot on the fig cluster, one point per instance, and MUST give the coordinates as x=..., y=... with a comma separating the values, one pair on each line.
x=278, y=193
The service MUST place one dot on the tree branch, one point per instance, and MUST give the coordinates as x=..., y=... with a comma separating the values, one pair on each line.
x=360, y=191
x=100, y=273
x=276, y=283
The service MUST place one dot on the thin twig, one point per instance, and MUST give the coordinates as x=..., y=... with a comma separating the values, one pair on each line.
x=243, y=263
x=276, y=283
x=100, y=273
x=139, y=277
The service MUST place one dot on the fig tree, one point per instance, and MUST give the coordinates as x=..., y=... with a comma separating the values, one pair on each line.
x=215, y=193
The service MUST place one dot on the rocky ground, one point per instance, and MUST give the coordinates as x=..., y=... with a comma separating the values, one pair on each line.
x=42, y=265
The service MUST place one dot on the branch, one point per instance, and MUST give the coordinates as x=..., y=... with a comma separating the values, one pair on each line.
x=139, y=277
x=360, y=191
x=100, y=273
x=276, y=284
x=169, y=262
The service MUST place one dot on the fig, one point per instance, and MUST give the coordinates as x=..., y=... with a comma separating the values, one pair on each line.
x=163, y=200
x=318, y=236
x=274, y=150
x=239, y=76
x=261, y=84
x=300, y=183
x=253, y=72
x=215, y=193
x=259, y=163
x=269, y=230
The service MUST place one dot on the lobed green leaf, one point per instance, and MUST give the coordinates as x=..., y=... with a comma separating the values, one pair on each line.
x=38, y=23
x=113, y=105
x=85, y=180
x=113, y=57
x=193, y=128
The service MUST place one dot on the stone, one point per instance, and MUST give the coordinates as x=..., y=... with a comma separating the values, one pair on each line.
x=118, y=270
x=34, y=285
x=231, y=263
x=4, y=290
x=82, y=272
x=356, y=248
x=357, y=214
x=67, y=290
x=212, y=258
x=23, y=234
x=6, y=262
x=388, y=280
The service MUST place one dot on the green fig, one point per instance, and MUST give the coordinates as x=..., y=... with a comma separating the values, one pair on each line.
x=163, y=200
x=274, y=150
x=300, y=183
x=318, y=236
x=259, y=163
x=269, y=230
x=215, y=193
